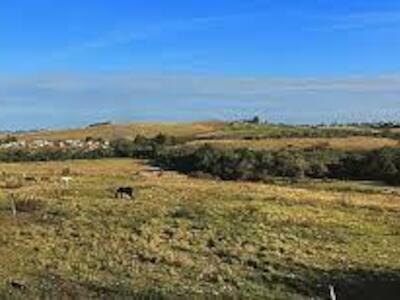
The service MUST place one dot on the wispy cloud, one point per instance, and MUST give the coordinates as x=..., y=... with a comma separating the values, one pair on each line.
x=124, y=96
x=195, y=86
x=129, y=35
x=358, y=21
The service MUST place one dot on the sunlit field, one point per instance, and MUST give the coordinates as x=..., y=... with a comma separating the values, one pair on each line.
x=128, y=131
x=186, y=236
x=346, y=143
x=228, y=149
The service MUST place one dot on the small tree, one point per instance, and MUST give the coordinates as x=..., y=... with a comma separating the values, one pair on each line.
x=255, y=120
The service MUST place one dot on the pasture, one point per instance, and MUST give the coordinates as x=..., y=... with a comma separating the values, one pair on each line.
x=355, y=143
x=128, y=131
x=183, y=236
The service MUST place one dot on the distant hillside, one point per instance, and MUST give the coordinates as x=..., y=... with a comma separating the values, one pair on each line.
x=128, y=131
x=214, y=130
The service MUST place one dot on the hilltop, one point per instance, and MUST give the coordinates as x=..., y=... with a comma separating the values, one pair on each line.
x=128, y=131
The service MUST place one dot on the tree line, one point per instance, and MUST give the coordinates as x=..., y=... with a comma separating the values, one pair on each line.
x=236, y=164
x=140, y=147
x=258, y=165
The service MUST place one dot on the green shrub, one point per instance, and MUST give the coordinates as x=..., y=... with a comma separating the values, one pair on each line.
x=245, y=164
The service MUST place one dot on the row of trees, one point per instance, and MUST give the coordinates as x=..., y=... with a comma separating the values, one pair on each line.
x=245, y=164
x=239, y=164
x=140, y=147
x=21, y=155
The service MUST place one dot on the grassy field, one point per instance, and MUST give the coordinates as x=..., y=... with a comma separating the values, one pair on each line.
x=346, y=143
x=211, y=130
x=190, y=237
x=129, y=131
x=246, y=130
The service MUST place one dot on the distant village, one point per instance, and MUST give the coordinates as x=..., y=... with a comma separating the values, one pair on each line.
x=88, y=144
x=11, y=142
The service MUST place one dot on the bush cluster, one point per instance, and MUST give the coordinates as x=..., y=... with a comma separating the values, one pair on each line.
x=21, y=155
x=237, y=164
x=245, y=164
x=140, y=147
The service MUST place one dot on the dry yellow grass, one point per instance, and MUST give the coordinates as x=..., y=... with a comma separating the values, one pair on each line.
x=347, y=143
x=188, y=235
x=128, y=131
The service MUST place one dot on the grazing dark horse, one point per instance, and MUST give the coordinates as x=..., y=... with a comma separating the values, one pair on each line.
x=30, y=178
x=124, y=192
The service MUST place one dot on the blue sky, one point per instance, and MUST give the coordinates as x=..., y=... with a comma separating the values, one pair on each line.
x=69, y=63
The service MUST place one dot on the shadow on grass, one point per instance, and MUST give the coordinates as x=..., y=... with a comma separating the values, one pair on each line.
x=306, y=283
x=51, y=286
x=353, y=284
x=363, y=285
